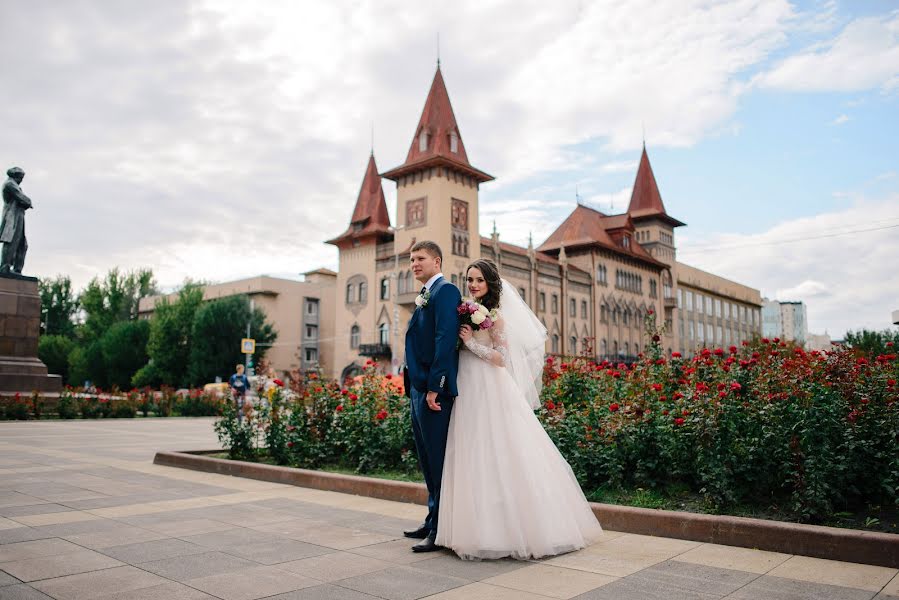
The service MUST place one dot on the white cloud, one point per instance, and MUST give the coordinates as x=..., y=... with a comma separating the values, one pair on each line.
x=841, y=263
x=840, y=120
x=865, y=55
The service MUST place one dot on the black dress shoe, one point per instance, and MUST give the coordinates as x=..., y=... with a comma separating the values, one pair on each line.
x=428, y=544
x=418, y=534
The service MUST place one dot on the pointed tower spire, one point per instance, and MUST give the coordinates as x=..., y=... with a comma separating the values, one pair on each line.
x=437, y=140
x=646, y=200
x=370, y=216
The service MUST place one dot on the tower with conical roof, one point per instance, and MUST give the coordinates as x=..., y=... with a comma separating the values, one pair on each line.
x=654, y=226
x=359, y=309
x=437, y=186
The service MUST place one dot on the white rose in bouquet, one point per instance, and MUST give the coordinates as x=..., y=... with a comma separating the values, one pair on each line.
x=478, y=318
x=483, y=309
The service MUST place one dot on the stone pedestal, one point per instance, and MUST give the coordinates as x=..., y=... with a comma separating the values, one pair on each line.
x=20, y=318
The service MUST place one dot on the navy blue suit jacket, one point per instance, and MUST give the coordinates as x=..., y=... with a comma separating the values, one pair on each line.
x=432, y=356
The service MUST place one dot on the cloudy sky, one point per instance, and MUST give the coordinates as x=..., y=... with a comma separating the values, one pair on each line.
x=216, y=140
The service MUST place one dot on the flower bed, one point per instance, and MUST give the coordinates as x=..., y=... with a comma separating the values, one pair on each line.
x=73, y=403
x=765, y=427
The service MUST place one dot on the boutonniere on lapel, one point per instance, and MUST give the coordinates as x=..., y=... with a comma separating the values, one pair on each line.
x=421, y=300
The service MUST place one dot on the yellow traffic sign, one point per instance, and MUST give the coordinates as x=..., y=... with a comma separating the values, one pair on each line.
x=248, y=346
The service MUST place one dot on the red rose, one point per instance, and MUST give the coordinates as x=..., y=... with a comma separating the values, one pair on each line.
x=745, y=343
x=656, y=338
x=776, y=340
x=382, y=414
x=678, y=421
x=339, y=408
x=722, y=394
x=889, y=344
x=550, y=405
x=706, y=352
x=616, y=374
x=354, y=397
x=650, y=312
x=344, y=392
x=678, y=395
x=278, y=383
x=719, y=352
x=891, y=382
x=720, y=386
x=662, y=398
x=864, y=400
x=613, y=407
x=290, y=444
x=685, y=412
x=657, y=387
x=736, y=386
x=675, y=355
x=733, y=349
x=665, y=412
x=660, y=361
x=388, y=376
x=766, y=341
x=755, y=355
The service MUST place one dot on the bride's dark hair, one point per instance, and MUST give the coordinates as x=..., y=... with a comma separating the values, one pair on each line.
x=491, y=275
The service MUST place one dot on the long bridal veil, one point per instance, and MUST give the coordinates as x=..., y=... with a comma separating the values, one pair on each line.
x=526, y=337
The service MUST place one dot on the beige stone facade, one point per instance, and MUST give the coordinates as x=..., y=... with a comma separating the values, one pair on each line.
x=592, y=282
x=302, y=312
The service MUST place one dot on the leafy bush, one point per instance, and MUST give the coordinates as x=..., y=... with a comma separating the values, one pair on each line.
x=197, y=403
x=67, y=405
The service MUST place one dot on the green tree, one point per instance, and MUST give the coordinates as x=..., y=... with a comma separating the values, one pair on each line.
x=54, y=351
x=58, y=306
x=217, y=330
x=169, y=344
x=873, y=342
x=124, y=347
x=86, y=364
x=113, y=299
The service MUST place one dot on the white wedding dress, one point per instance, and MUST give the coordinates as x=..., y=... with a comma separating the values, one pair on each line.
x=506, y=489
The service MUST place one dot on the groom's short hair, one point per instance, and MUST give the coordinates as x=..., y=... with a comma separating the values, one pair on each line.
x=430, y=247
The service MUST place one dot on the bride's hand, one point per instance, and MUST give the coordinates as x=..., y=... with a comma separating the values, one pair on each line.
x=465, y=333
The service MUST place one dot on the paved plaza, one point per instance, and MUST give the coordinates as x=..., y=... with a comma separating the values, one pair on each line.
x=85, y=514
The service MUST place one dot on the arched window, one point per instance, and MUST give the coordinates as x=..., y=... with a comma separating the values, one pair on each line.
x=555, y=344
x=363, y=291
x=603, y=347
x=349, y=293
x=615, y=348
x=354, y=336
x=625, y=349
x=384, y=333
x=385, y=288
x=573, y=345
x=454, y=141
x=423, y=141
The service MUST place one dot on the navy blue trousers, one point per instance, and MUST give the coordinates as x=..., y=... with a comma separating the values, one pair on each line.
x=430, y=429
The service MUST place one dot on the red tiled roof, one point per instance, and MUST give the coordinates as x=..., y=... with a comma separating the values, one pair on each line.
x=512, y=248
x=646, y=201
x=589, y=227
x=370, y=215
x=439, y=121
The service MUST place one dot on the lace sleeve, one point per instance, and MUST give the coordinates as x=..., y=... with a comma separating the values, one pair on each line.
x=498, y=350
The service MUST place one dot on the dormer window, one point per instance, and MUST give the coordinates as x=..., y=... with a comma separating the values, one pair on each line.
x=454, y=141
x=423, y=141
x=626, y=241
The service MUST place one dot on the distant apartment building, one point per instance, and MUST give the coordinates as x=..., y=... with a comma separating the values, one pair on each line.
x=301, y=312
x=816, y=341
x=786, y=320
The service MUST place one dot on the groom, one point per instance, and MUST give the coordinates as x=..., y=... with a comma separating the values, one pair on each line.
x=432, y=360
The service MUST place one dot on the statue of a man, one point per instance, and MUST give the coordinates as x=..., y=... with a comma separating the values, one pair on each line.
x=12, y=227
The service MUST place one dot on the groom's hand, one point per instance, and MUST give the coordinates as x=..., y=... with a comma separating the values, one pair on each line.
x=431, y=399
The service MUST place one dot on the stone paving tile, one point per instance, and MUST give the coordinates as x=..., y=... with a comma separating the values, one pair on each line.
x=12, y=498
x=332, y=536
x=88, y=586
x=123, y=534
x=673, y=581
x=91, y=526
x=249, y=584
x=21, y=534
x=548, y=580
x=7, y=579
x=334, y=566
x=402, y=583
x=165, y=591
x=45, y=567
x=892, y=588
x=473, y=570
x=22, y=592
x=9, y=524
x=730, y=557
x=193, y=566
x=323, y=592
x=33, y=509
x=623, y=555
x=72, y=516
x=833, y=572
x=36, y=549
x=397, y=551
x=482, y=591
x=155, y=550
x=189, y=527
x=779, y=588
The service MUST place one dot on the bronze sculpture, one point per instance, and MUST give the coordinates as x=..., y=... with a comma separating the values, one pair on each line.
x=12, y=226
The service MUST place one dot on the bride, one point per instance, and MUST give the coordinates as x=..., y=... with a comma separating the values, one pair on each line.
x=506, y=489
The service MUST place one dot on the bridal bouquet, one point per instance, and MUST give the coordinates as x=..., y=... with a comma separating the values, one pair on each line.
x=476, y=315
